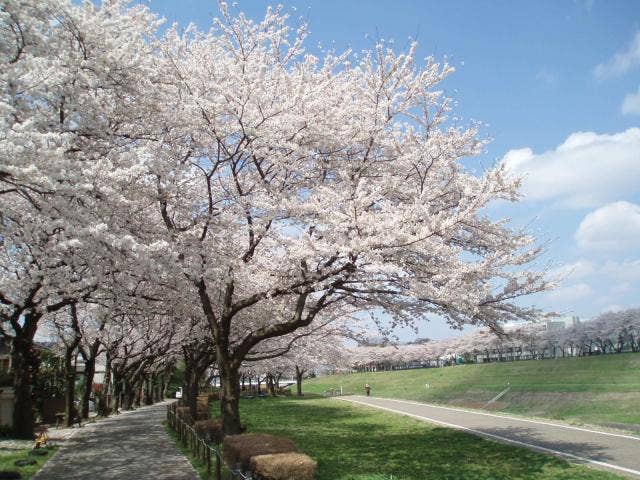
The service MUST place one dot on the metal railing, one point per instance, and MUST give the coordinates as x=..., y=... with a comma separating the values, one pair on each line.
x=209, y=454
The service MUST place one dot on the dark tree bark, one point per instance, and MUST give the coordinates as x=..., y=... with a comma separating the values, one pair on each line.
x=87, y=389
x=230, y=400
x=299, y=374
x=69, y=387
x=24, y=359
x=116, y=390
x=148, y=389
x=139, y=392
x=70, y=354
x=229, y=359
x=129, y=391
x=198, y=357
x=89, y=355
x=24, y=364
x=103, y=397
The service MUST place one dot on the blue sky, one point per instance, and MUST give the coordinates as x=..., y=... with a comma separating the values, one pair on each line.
x=557, y=84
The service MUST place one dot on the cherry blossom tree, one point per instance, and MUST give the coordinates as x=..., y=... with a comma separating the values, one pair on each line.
x=63, y=95
x=269, y=185
x=309, y=349
x=287, y=184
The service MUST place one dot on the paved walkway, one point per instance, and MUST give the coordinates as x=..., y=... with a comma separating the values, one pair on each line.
x=130, y=445
x=606, y=450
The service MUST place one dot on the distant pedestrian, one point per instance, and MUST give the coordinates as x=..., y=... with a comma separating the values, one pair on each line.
x=367, y=388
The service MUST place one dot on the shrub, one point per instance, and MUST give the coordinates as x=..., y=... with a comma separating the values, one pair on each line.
x=211, y=430
x=238, y=449
x=184, y=414
x=284, y=466
x=202, y=414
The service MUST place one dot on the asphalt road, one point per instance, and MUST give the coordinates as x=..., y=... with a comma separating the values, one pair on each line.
x=129, y=445
x=615, y=452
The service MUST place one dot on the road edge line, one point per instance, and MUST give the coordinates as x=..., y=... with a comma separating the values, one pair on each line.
x=498, y=437
x=539, y=422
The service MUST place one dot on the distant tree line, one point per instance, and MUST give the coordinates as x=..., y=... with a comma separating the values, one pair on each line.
x=610, y=332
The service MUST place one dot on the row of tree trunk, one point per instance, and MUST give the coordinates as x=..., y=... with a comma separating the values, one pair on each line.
x=124, y=387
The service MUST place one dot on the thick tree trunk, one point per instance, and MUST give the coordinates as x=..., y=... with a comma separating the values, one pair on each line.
x=299, y=374
x=192, y=395
x=129, y=394
x=165, y=387
x=187, y=386
x=159, y=388
x=270, y=385
x=70, y=361
x=149, y=387
x=24, y=365
x=116, y=392
x=230, y=399
x=162, y=387
x=139, y=392
x=69, y=387
x=89, y=373
x=103, y=403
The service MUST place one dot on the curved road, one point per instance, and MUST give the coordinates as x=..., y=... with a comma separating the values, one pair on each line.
x=129, y=445
x=611, y=451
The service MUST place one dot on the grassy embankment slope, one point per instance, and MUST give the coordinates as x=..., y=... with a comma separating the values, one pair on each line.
x=356, y=443
x=599, y=390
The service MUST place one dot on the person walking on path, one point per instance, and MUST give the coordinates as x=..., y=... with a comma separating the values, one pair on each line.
x=129, y=445
x=367, y=388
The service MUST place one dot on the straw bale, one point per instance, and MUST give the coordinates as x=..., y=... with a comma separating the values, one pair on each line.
x=202, y=415
x=284, y=466
x=211, y=430
x=184, y=413
x=238, y=449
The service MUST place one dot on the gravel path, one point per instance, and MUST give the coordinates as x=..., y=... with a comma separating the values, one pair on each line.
x=130, y=445
x=615, y=452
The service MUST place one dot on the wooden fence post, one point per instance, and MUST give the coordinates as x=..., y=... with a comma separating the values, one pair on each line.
x=208, y=461
x=218, y=466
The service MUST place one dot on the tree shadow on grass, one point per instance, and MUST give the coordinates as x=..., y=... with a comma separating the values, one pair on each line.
x=357, y=444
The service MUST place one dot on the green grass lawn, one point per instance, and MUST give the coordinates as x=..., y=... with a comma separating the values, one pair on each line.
x=601, y=390
x=358, y=443
x=8, y=458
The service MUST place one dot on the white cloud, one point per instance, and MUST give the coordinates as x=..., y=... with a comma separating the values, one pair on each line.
x=587, y=170
x=626, y=271
x=569, y=294
x=573, y=271
x=631, y=104
x=614, y=228
x=621, y=62
x=620, y=289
